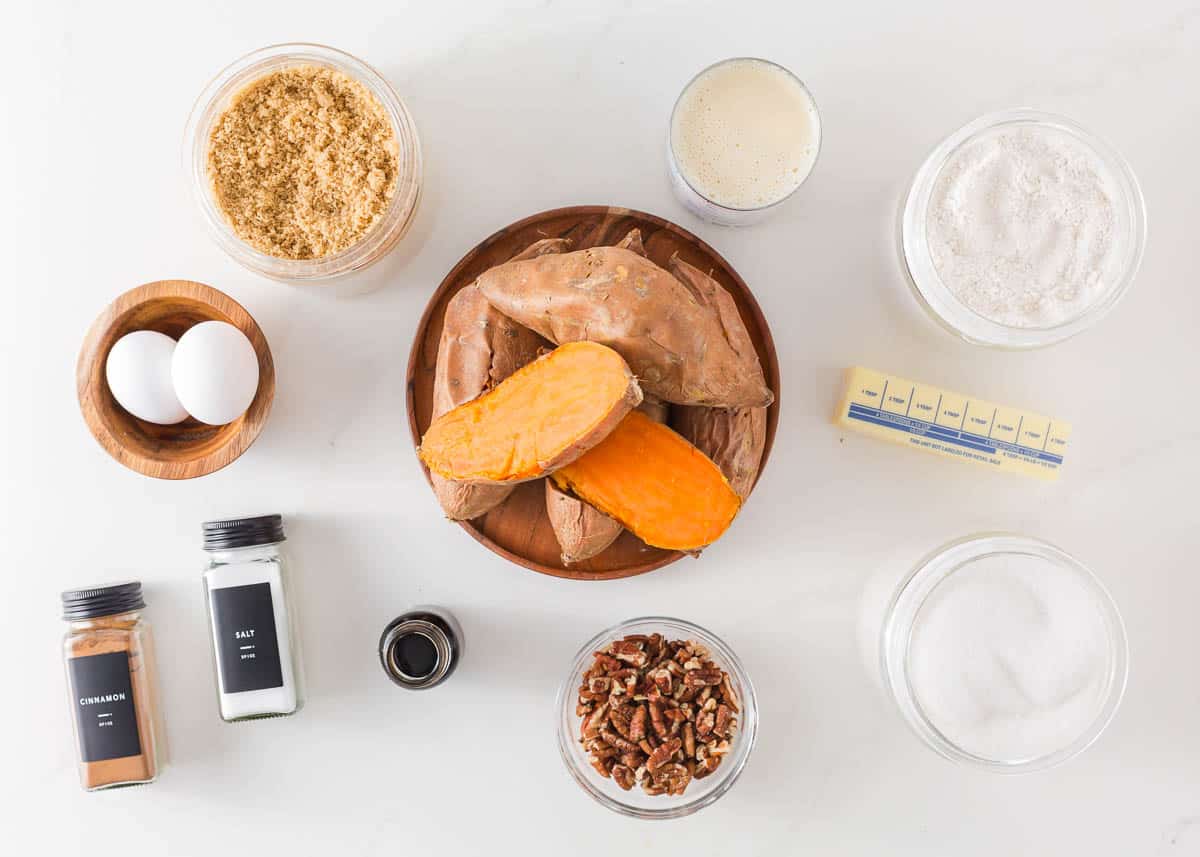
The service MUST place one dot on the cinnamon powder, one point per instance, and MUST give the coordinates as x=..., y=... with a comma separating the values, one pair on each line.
x=117, y=634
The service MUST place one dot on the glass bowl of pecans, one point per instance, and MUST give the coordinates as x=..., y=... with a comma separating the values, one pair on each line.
x=656, y=718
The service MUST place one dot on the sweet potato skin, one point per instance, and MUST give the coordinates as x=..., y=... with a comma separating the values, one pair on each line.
x=675, y=343
x=732, y=437
x=660, y=487
x=583, y=530
x=542, y=417
x=479, y=348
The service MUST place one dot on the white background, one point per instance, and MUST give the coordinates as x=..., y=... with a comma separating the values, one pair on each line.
x=520, y=110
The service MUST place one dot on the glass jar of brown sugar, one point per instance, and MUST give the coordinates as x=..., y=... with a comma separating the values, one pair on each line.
x=111, y=686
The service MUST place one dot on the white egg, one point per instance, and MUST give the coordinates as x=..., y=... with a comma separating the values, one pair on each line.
x=138, y=371
x=215, y=371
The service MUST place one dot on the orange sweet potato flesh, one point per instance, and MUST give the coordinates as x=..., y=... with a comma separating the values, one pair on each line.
x=542, y=417
x=660, y=487
x=582, y=530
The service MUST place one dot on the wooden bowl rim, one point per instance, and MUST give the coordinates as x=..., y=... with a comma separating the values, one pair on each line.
x=250, y=423
x=771, y=370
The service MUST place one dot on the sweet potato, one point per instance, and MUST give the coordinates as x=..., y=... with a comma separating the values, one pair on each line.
x=732, y=437
x=479, y=348
x=542, y=417
x=676, y=344
x=656, y=484
x=583, y=530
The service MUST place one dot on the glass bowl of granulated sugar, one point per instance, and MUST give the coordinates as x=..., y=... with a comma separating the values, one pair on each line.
x=1021, y=229
x=1004, y=653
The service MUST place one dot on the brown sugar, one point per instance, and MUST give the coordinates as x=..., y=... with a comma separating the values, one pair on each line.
x=303, y=162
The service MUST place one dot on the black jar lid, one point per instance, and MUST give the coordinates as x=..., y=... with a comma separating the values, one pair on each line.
x=243, y=532
x=107, y=599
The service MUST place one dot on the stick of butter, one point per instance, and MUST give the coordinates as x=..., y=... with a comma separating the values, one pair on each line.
x=952, y=424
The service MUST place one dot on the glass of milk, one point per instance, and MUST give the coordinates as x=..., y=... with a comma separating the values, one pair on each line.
x=744, y=136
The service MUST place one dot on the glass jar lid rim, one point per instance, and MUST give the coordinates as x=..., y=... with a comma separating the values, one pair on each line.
x=242, y=532
x=105, y=599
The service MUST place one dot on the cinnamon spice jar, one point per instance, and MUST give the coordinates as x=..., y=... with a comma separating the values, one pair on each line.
x=111, y=688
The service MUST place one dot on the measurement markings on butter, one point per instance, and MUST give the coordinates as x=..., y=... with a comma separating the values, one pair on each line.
x=952, y=424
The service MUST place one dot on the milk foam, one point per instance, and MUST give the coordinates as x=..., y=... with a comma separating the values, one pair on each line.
x=745, y=134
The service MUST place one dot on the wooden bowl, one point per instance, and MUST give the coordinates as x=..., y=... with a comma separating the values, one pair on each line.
x=190, y=448
x=519, y=529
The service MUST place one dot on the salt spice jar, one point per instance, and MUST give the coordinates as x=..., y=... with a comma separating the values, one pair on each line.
x=255, y=651
x=109, y=658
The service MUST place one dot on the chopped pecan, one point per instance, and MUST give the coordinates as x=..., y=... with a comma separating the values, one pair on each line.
x=689, y=740
x=637, y=725
x=674, y=778
x=724, y=718
x=656, y=720
x=634, y=759
x=615, y=740
x=702, y=677
x=655, y=712
x=600, y=684
x=593, y=722
x=663, y=754
x=607, y=662
x=620, y=716
x=728, y=695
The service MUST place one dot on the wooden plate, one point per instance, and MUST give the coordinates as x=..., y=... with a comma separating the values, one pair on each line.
x=519, y=529
x=190, y=448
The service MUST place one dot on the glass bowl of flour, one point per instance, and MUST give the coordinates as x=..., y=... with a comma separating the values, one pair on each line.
x=1005, y=653
x=1021, y=229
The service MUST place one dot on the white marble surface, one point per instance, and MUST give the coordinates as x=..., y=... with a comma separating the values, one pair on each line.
x=523, y=109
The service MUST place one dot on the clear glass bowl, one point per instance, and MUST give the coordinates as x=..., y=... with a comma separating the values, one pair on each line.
x=700, y=793
x=904, y=616
x=954, y=315
x=376, y=243
x=705, y=208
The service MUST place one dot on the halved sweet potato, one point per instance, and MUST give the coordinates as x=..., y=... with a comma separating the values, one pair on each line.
x=478, y=349
x=583, y=530
x=540, y=418
x=660, y=487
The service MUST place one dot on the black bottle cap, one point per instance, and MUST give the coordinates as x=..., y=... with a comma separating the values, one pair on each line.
x=107, y=599
x=243, y=532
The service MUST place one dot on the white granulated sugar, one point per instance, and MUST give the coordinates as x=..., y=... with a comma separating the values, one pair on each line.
x=1022, y=226
x=1009, y=658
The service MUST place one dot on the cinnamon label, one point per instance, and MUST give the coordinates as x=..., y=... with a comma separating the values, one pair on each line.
x=105, y=712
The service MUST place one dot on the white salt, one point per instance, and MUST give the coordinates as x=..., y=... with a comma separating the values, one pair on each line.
x=1009, y=657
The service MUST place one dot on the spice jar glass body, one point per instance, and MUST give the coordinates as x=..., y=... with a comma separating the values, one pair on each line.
x=112, y=692
x=256, y=653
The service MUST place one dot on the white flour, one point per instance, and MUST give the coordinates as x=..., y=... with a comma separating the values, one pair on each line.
x=1022, y=226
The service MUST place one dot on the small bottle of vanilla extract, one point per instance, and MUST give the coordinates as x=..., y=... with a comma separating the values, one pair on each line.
x=422, y=648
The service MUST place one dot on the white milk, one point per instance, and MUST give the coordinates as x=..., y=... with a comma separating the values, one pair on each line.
x=744, y=134
x=1009, y=657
